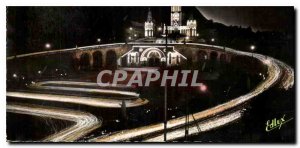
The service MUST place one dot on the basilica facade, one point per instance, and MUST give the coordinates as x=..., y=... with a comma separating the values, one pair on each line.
x=189, y=30
x=153, y=56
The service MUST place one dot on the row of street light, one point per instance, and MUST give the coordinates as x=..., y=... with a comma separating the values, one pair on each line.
x=48, y=45
x=252, y=47
x=131, y=34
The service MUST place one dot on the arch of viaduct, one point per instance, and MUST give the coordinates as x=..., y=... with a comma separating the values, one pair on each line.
x=96, y=57
x=106, y=55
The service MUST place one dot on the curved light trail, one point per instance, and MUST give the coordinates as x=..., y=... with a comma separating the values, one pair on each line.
x=42, y=85
x=278, y=73
x=198, y=127
x=84, y=122
x=274, y=74
x=89, y=101
x=287, y=81
x=80, y=83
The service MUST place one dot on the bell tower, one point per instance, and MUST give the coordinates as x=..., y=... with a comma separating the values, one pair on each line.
x=149, y=26
x=176, y=16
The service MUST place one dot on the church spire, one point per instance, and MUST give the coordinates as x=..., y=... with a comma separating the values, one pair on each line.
x=149, y=17
x=191, y=17
x=149, y=26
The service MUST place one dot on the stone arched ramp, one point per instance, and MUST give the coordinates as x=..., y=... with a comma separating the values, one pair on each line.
x=111, y=59
x=85, y=61
x=97, y=60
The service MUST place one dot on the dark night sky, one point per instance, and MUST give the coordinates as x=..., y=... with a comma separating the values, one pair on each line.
x=259, y=18
x=31, y=27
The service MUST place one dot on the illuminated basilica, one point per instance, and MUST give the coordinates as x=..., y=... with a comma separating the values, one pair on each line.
x=176, y=24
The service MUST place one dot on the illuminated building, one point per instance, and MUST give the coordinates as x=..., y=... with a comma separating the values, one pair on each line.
x=190, y=29
x=176, y=23
x=151, y=56
x=149, y=26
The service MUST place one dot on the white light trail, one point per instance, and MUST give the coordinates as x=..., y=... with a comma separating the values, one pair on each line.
x=41, y=85
x=274, y=73
x=84, y=122
x=197, y=127
x=89, y=101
